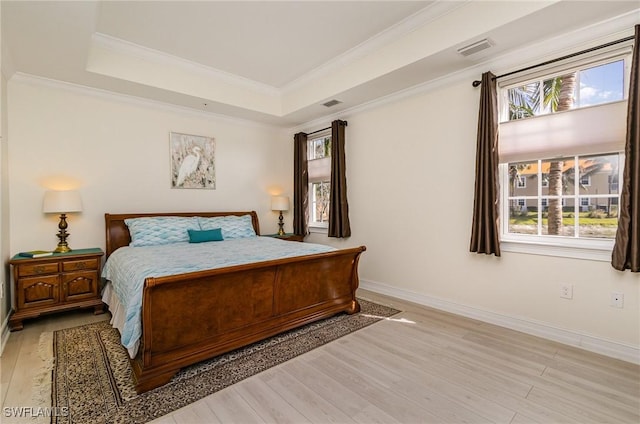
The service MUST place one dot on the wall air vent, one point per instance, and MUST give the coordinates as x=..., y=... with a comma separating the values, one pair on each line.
x=331, y=103
x=475, y=47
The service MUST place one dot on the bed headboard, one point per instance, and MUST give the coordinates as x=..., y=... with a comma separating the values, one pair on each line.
x=117, y=232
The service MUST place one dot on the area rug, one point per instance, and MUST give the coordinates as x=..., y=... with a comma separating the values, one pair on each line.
x=92, y=378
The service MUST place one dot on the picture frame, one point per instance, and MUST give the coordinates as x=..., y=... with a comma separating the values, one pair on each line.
x=192, y=161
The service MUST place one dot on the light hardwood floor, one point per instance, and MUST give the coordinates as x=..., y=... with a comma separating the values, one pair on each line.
x=421, y=366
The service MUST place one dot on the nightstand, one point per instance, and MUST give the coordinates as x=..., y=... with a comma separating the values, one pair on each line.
x=287, y=236
x=56, y=283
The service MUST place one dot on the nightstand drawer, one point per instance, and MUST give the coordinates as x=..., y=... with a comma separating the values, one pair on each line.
x=38, y=291
x=37, y=269
x=79, y=285
x=79, y=265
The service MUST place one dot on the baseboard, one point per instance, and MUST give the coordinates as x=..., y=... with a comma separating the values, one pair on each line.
x=4, y=333
x=572, y=338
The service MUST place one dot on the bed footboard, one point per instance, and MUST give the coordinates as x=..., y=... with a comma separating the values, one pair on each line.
x=192, y=317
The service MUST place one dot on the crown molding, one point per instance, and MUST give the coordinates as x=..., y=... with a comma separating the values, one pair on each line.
x=570, y=42
x=34, y=80
x=131, y=49
x=420, y=18
x=535, y=52
x=593, y=35
x=434, y=11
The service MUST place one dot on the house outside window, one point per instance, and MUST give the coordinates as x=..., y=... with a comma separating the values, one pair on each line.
x=585, y=180
x=319, y=166
x=568, y=183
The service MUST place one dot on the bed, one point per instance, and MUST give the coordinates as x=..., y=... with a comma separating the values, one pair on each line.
x=190, y=316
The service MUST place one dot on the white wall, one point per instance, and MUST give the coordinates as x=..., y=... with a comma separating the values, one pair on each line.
x=410, y=173
x=116, y=153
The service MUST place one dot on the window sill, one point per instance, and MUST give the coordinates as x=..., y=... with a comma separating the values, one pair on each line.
x=593, y=250
x=318, y=230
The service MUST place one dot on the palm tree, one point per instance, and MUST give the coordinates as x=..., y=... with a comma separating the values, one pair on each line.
x=556, y=96
x=515, y=171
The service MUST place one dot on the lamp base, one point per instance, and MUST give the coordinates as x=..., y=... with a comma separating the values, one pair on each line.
x=63, y=247
x=281, y=225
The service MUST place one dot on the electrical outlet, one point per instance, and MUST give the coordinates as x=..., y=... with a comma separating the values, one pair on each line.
x=617, y=300
x=566, y=291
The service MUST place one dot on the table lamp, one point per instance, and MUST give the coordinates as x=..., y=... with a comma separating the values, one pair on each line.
x=280, y=203
x=62, y=202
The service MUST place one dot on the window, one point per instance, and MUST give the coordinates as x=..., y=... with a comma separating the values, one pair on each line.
x=319, y=155
x=563, y=132
x=567, y=209
x=580, y=88
x=585, y=180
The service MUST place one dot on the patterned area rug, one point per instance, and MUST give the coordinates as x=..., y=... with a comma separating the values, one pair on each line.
x=92, y=376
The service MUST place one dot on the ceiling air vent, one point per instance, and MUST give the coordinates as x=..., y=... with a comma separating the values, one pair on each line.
x=475, y=47
x=331, y=103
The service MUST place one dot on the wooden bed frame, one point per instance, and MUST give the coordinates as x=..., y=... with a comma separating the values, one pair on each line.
x=191, y=317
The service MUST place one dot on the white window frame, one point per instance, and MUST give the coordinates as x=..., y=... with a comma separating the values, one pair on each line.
x=588, y=183
x=312, y=207
x=557, y=246
x=316, y=226
x=563, y=246
x=522, y=182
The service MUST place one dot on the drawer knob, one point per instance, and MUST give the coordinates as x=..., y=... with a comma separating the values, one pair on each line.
x=39, y=269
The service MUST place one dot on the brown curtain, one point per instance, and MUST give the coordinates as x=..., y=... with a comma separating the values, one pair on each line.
x=485, y=237
x=626, y=251
x=300, y=185
x=338, y=207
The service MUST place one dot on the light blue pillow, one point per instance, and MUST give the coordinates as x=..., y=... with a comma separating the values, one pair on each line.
x=233, y=227
x=153, y=231
x=201, y=236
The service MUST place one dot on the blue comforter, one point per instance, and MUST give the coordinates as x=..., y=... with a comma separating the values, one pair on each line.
x=128, y=267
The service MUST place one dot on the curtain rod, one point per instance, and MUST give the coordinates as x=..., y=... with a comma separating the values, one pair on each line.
x=324, y=129
x=548, y=62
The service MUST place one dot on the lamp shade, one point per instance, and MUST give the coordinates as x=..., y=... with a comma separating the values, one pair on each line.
x=279, y=203
x=61, y=202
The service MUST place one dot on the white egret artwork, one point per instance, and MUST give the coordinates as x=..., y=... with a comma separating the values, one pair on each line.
x=192, y=161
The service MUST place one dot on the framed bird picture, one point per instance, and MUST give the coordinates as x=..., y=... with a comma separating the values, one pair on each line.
x=192, y=161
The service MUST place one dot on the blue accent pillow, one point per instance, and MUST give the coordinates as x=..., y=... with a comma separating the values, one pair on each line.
x=201, y=236
x=233, y=227
x=153, y=231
